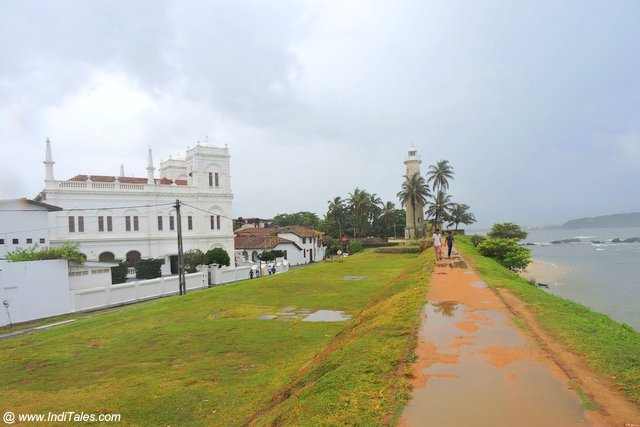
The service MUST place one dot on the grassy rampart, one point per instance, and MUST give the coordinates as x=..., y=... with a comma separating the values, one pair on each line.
x=207, y=359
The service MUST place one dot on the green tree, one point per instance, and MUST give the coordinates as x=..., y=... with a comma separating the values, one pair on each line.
x=337, y=213
x=460, y=215
x=359, y=202
x=149, y=268
x=507, y=252
x=507, y=230
x=414, y=190
x=217, y=256
x=268, y=256
x=192, y=259
x=440, y=207
x=386, y=219
x=439, y=175
x=303, y=218
x=119, y=273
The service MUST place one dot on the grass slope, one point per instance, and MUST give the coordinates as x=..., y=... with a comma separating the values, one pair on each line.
x=205, y=358
x=610, y=347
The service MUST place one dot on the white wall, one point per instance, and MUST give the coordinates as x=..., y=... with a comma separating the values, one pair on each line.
x=20, y=220
x=34, y=289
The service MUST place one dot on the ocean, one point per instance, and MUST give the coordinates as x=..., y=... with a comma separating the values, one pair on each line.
x=603, y=276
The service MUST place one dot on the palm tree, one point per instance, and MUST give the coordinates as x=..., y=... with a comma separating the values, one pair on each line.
x=414, y=190
x=439, y=175
x=440, y=207
x=337, y=212
x=359, y=202
x=386, y=217
x=460, y=214
x=374, y=207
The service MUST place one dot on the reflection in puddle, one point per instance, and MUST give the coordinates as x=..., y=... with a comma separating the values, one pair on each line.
x=479, y=284
x=354, y=278
x=327, y=316
x=483, y=349
x=446, y=308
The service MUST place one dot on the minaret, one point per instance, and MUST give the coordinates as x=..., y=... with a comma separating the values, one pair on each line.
x=150, y=169
x=48, y=163
x=412, y=163
x=121, y=170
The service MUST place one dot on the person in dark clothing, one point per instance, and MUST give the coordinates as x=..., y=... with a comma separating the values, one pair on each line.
x=449, y=240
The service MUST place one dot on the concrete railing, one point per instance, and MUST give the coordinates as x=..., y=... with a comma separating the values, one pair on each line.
x=139, y=290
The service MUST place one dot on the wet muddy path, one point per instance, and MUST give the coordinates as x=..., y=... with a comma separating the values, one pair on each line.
x=475, y=367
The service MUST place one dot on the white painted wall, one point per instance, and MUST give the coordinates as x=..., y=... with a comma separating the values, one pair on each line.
x=34, y=289
x=22, y=221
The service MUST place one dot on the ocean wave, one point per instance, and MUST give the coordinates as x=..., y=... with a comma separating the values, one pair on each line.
x=583, y=237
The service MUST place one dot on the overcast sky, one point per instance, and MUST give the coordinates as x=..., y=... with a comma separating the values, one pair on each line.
x=535, y=104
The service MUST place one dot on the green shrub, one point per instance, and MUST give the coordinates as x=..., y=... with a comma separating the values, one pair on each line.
x=119, y=273
x=355, y=247
x=217, y=256
x=268, y=256
x=149, y=268
x=192, y=259
x=476, y=239
x=507, y=230
x=69, y=251
x=507, y=252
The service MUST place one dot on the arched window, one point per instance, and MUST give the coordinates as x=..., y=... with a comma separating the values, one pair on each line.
x=107, y=257
x=132, y=258
x=245, y=256
x=254, y=256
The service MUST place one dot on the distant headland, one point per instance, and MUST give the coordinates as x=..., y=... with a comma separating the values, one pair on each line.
x=604, y=221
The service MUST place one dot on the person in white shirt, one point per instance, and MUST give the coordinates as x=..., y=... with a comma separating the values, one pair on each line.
x=437, y=244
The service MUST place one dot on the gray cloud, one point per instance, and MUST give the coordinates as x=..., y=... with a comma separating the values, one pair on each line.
x=535, y=105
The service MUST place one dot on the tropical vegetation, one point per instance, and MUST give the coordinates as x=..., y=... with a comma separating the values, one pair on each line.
x=507, y=230
x=69, y=251
x=362, y=214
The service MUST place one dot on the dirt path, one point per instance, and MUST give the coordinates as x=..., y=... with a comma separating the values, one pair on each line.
x=475, y=367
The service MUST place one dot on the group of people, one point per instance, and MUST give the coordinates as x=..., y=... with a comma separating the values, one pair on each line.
x=437, y=244
x=271, y=269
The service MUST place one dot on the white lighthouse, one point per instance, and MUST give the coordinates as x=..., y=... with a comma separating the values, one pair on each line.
x=412, y=163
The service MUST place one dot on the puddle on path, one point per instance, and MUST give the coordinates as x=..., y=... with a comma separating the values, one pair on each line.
x=479, y=284
x=354, y=277
x=327, y=316
x=458, y=264
x=478, y=370
x=287, y=313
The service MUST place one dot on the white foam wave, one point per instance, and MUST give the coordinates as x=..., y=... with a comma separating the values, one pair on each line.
x=583, y=237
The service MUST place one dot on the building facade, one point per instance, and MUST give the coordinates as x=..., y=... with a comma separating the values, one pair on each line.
x=129, y=218
x=301, y=245
x=415, y=214
x=24, y=223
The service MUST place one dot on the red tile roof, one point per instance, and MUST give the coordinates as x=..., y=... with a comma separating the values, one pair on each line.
x=261, y=242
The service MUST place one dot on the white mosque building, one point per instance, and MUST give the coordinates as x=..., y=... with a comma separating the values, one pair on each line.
x=119, y=217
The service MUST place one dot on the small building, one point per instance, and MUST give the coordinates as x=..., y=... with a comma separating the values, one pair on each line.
x=24, y=223
x=301, y=245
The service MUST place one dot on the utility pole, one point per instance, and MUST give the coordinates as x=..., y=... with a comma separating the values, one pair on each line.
x=182, y=286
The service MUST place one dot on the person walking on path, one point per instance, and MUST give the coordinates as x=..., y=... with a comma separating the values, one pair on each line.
x=437, y=244
x=449, y=241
